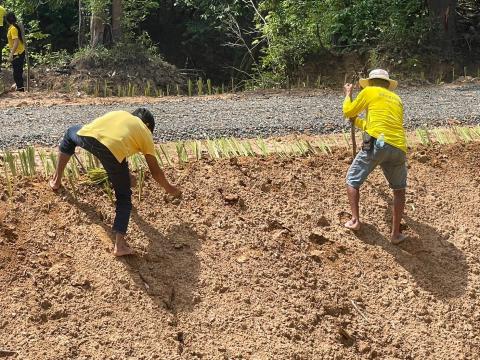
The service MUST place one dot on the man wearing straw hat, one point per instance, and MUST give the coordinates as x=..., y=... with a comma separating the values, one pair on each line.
x=384, y=144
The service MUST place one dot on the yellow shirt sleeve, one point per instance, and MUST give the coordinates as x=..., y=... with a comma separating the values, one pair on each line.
x=353, y=108
x=148, y=147
x=360, y=123
x=14, y=33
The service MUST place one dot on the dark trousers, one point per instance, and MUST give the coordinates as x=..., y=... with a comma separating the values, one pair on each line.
x=17, y=64
x=3, y=37
x=118, y=173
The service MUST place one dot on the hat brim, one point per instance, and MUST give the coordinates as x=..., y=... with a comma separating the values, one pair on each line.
x=393, y=83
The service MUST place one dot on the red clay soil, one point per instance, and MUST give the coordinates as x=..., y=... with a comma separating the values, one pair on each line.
x=253, y=263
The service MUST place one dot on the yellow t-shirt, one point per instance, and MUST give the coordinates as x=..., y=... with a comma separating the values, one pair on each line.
x=122, y=133
x=11, y=36
x=384, y=111
x=3, y=12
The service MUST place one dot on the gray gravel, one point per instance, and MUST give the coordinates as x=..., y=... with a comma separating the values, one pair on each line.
x=241, y=116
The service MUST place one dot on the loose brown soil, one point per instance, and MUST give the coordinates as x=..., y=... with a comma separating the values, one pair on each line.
x=253, y=263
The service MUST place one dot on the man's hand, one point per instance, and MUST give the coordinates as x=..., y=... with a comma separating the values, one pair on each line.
x=348, y=89
x=10, y=57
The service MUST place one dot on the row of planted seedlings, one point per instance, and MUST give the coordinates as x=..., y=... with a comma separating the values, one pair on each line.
x=149, y=89
x=194, y=87
x=84, y=168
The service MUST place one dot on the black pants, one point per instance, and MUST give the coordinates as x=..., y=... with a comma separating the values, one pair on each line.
x=118, y=173
x=17, y=64
x=3, y=38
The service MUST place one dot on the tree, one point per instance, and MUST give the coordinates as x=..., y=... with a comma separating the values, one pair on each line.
x=443, y=12
x=99, y=9
x=117, y=15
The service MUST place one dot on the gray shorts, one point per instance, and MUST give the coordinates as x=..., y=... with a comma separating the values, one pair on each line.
x=391, y=159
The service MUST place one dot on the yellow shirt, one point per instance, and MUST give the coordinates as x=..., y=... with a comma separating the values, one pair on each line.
x=11, y=36
x=3, y=12
x=122, y=133
x=384, y=111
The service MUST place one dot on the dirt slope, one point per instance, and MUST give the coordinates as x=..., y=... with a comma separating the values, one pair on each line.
x=253, y=263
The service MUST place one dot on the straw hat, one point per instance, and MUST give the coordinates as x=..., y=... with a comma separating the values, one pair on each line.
x=379, y=74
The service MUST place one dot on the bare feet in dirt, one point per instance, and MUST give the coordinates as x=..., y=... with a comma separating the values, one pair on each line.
x=122, y=250
x=397, y=239
x=53, y=185
x=353, y=225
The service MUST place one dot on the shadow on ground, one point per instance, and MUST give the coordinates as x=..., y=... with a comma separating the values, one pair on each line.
x=437, y=265
x=168, y=270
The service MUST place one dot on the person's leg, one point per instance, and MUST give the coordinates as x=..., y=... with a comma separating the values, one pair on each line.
x=121, y=185
x=395, y=171
x=361, y=167
x=119, y=177
x=398, y=208
x=354, y=199
x=65, y=151
x=17, y=65
x=2, y=43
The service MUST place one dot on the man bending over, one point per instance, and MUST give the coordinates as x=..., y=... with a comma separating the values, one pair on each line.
x=384, y=144
x=112, y=138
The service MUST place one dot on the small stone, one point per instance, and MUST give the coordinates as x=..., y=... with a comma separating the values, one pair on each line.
x=51, y=235
x=242, y=259
x=316, y=255
x=231, y=198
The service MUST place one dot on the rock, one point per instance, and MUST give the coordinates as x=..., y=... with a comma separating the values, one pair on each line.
x=242, y=259
x=316, y=255
x=51, y=235
x=231, y=198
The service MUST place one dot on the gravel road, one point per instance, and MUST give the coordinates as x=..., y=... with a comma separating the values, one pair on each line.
x=246, y=115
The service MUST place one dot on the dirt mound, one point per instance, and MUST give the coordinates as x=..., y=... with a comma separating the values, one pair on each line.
x=253, y=263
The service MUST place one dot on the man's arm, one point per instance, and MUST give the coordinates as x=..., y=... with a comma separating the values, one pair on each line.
x=351, y=109
x=159, y=176
x=14, y=49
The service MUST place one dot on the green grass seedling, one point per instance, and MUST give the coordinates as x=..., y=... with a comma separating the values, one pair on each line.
x=181, y=152
x=190, y=87
x=165, y=153
x=9, y=182
x=10, y=159
x=262, y=146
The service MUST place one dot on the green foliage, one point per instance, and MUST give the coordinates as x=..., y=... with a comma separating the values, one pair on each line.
x=121, y=54
x=299, y=30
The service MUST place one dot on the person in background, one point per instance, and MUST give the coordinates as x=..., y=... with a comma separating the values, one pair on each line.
x=3, y=33
x=16, y=43
x=112, y=138
x=384, y=144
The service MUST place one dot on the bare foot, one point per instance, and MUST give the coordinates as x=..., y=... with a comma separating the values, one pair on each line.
x=353, y=225
x=53, y=185
x=397, y=239
x=122, y=250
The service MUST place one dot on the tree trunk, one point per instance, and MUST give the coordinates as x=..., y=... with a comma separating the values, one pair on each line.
x=81, y=25
x=97, y=26
x=443, y=11
x=117, y=14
